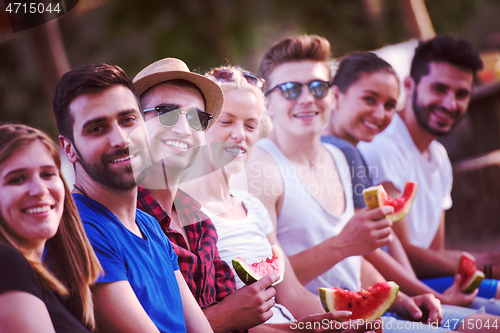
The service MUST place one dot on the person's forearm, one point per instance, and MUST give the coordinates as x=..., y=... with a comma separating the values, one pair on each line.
x=489, y=263
x=300, y=303
x=491, y=257
x=308, y=265
x=293, y=295
x=196, y=322
x=392, y=270
x=369, y=274
x=219, y=322
x=429, y=263
x=397, y=251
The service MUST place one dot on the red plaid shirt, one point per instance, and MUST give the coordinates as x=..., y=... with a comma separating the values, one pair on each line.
x=209, y=277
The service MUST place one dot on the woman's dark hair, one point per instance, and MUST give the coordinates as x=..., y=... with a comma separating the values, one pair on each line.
x=355, y=64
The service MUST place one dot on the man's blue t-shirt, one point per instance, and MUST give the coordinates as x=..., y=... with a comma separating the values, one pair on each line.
x=148, y=263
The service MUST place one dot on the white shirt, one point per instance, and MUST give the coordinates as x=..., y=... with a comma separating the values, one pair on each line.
x=304, y=222
x=246, y=238
x=393, y=157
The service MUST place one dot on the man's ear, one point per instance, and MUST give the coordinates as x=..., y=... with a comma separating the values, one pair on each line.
x=409, y=84
x=336, y=93
x=69, y=149
x=269, y=111
x=266, y=104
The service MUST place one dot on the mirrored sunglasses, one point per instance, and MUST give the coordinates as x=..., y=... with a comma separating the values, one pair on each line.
x=168, y=116
x=226, y=75
x=292, y=90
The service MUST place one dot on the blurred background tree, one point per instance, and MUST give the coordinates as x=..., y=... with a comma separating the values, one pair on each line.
x=208, y=33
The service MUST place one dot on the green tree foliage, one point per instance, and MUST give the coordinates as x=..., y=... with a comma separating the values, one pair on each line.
x=205, y=34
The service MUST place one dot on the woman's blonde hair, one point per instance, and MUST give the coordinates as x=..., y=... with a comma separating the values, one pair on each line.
x=238, y=81
x=69, y=255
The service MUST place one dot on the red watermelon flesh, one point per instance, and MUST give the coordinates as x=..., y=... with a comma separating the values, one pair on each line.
x=249, y=273
x=365, y=304
x=266, y=267
x=376, y=196
x=470, y=277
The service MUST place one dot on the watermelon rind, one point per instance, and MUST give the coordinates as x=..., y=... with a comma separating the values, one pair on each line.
x=327, y=297
x=245, y=271
x=248, y=275
x=278, y=252
x=474, y=282
x=375, y=196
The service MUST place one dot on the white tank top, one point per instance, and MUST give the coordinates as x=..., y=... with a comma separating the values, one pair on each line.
x=303, y=222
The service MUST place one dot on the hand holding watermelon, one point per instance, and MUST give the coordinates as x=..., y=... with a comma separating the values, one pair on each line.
x=454, y=296
x=251, y=305
x=365, y=232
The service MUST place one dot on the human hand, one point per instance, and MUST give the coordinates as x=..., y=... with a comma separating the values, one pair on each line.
x=366, y=231
x=244, y=308
x=335, y=321
x=425, y=308
x=454, y=296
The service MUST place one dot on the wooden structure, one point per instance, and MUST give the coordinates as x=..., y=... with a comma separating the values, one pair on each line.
x=474, y=220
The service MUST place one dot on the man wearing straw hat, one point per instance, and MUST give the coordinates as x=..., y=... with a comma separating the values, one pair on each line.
x=178, y=107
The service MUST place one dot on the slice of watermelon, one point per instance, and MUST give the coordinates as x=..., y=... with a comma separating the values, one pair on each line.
x=470, y=277
x=249, y=273
x=376, y=196
x=365, y=304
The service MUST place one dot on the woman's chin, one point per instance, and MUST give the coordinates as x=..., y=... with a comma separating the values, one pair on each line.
x=235, y=166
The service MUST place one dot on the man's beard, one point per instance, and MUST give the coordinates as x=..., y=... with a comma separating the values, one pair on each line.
x=101, y=173
x=422, y=114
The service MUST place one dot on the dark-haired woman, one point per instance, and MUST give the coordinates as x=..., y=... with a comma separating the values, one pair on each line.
x=366, y=90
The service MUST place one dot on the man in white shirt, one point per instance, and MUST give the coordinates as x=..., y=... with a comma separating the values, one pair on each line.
x=438, y=93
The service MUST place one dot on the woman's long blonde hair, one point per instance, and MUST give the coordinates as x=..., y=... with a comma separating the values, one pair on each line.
x=69, y=256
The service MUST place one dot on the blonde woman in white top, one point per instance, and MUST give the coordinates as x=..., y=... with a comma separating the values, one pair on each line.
x=242, y=221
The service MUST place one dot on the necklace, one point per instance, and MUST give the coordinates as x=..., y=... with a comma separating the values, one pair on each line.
x=81, y=190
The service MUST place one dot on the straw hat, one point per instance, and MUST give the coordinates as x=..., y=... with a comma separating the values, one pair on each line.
x=173, y=69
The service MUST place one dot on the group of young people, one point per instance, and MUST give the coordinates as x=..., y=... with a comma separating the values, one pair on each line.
x=144, y=242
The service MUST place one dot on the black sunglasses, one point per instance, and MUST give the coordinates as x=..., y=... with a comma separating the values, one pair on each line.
x=168, y=115
x=292, y=90
x=226, y=75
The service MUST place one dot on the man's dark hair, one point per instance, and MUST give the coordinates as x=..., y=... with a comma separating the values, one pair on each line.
x=353, y=65
x=90, y=79
x=458, y=52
